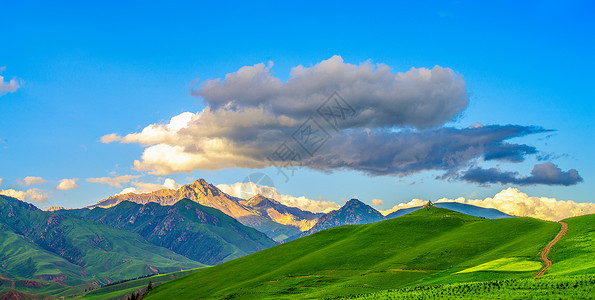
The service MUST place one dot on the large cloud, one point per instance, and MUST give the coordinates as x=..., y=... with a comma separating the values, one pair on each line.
x=382, y=123
x=420, y=98
x=30, y=195
x=545, y=173
x=249, y=189
x=514, y=202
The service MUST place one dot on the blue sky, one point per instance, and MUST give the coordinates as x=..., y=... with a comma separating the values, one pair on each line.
x=90, y=69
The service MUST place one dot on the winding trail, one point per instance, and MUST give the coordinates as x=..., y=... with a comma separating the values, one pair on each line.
x=548, y=263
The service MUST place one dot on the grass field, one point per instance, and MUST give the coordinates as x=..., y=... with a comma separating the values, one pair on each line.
x=575, y=252
x=421, y=248
x=128, y=287
x=566, y=287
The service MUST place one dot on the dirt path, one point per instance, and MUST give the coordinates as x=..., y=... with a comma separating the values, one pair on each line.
x=546, y=250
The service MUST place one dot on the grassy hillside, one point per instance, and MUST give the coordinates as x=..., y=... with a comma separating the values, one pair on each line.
x=126, y=288
x=46, y=246
x=575, y=252
x=571, y=287
x=424, y=247
x=188, y=228
x=24, y=259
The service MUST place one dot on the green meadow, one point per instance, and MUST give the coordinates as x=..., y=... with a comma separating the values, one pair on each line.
x=426, y=247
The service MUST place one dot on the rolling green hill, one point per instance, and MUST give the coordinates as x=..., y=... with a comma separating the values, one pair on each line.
x=196, y=231
x=46, y=247
x=575, y=252
x=432, y=246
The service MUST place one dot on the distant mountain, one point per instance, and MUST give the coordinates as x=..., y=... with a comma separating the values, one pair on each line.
x=208, y=195
x=50, y=246
x=199, y=191
x=487, y=213
x=354, y=212
x=283, y=214
x=196, y=231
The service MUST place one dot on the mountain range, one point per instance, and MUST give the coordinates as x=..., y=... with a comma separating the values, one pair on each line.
x=54, y=247
x=354, y=212
x=291, y=216
x=273, y=219
x=188, y=228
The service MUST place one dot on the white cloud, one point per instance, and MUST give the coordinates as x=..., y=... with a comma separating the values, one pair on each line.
x=1, y=181
x=246, y=190
x=109, y=138
x=113, y=181
x=145, y=187
x=9, y=86
x=376, y=202
x=129, y=190
x=30, y=195
x=67, y=184
x=29, y=180
x=514, y=202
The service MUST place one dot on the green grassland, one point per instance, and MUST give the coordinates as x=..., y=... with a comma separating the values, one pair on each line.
x=128, y=287
x=575, y=252
x=566, y=287
x=426, y=247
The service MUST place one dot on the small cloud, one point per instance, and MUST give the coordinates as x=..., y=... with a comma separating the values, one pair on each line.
x=67, y=184
x=376, y=202
x=171, y=184
x=30, y=195
x=1, y=181
x=146, y=187
x=9, y=86
x=412, y=203
x=113, y=181
x=29, y=180
x=110, y=138
x=128, y=190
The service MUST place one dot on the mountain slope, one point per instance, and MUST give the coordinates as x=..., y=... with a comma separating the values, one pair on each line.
x=482, y=212
x=207, y=194
x=354, y=212
x=64, y=248
x=198, y=232
x=425, y=247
